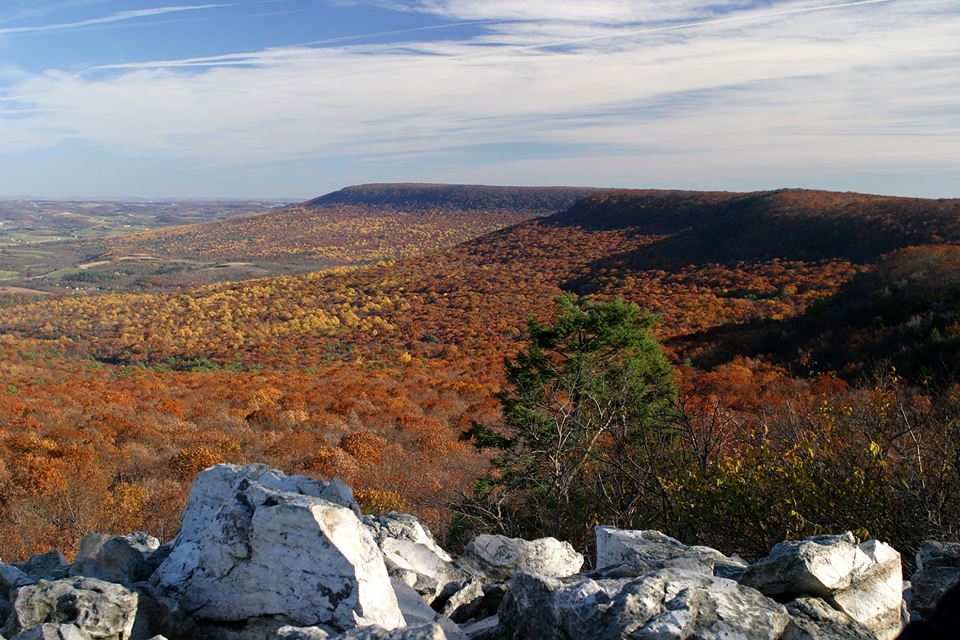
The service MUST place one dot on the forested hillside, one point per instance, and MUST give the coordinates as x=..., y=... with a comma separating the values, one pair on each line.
x=373, y=372
x=355, y=226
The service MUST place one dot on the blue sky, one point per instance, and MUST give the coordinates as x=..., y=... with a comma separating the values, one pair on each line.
x=294, y=98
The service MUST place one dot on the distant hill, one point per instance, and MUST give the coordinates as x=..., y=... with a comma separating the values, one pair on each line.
x=704, y=261
x=421, y=197
x=355, y=226
x=786, y=224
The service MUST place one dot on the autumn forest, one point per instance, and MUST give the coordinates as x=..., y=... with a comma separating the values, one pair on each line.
x=813, y=338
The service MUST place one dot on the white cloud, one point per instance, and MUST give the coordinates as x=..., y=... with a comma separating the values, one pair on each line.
x=863, y=88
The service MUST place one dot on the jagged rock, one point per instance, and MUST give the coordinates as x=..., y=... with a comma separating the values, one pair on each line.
x=158, y=614
x=123, y=559
x=411, y=554
x=414, y=632
x=302, y=633
x=421, y=632
x=498, y=558
x=814, y=619
x=647, y=550
x=473, y=600
x=938, y=570
x=12, y=578
x=417, y=612
x=864, y=581
x=730, y=567
x=51, y=565
x=818, y=566
x=875, y=595
x=51, y=631
x=256, y=543
x=260, y=628
x=100, y=609
x=485, y=629
x=665, y=604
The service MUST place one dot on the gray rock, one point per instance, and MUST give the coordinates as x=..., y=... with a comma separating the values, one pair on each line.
x=498, y=558
x=647, y=550
x=938, y=570
x=122, y=559
x=158, y=614
x=12, y=578
x=51, y=631
x=410, y=553
x=417, y=612
x=262, y=628
x=461, y=602
x=254, y=543
x=473, y=600
x=482, y=629
x=814, y=619
x=100, y=609
x=51, y=565
x=420, y=632
x=302, y=633
x=664, y=605
x=819, y=566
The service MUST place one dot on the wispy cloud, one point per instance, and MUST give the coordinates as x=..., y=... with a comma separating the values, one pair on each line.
x=598, y=91
x=119, y=16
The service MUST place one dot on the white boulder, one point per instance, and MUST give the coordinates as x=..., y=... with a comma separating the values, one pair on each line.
x=411, y=554
x=875, y=595
x=257, y=544
x=818, y=566
x=653, y=550
x=498, y=557
x=814, y=619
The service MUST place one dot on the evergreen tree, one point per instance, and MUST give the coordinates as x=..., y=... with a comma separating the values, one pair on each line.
x=589, y=423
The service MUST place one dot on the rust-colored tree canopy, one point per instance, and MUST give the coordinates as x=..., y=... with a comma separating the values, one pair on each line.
x=771, y=305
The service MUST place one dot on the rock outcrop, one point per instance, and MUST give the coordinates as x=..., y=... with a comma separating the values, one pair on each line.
x=664, y=604
x=265, y=556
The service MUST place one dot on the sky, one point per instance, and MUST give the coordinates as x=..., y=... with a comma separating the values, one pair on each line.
x=295, y=98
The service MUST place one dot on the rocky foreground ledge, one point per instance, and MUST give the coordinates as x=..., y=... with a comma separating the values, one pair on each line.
x=260, y=555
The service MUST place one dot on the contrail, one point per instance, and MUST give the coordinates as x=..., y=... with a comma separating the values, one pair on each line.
x=376, y=34
x=113, y=17
x=677, y=27
x=251, y=57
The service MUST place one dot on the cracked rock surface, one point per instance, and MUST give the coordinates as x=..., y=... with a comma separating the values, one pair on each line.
x=254, y=543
